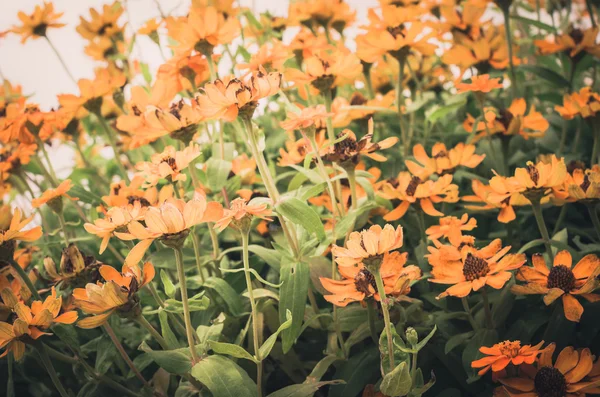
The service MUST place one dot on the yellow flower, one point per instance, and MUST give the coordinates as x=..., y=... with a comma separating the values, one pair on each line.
x=37, y=24
x=368, y=244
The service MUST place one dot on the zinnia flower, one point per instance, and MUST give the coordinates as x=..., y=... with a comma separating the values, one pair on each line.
x=168, y=165
x=584, y=103
x=52, y=196
x=170, y=223
x=228, y=97
x=239, y=210
x=470, y=269
x=117, y=293
x=369, y=244
x=359, y=283
x=572, y=43
x=499, y=356
x=451, y=228
x=36, y=24
x=566, y=377
x=411, y=189
x=442, y=160
x=117, y=218
x=308, y=117
x=15, y=231
x=561, y=281
x=481, y=83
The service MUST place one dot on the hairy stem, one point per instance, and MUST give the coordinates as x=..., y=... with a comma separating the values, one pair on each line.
x=386, y=317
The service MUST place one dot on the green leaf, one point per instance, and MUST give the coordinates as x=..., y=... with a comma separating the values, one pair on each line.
x=167, y=284
x=437, y=112
x=217, y=172
x=306, y=389
x=174, y=361
x=422, y=343
x=457, y=340
x=399, y=354
x=546, y=74
x=360, y=370
x=167, y=333
x=85, y=195
x=298, y=212
x=265, y=349
x=535, y=23
x=224, y=378
x=322, y=367
x=254, y=272
x=231, y=350
x=227, y=293
x=398, y=382
x=270, y=256
x=292, y=298
x=195, y=303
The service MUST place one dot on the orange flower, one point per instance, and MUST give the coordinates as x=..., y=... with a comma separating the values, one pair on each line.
x=509, y=121
x=326, y=70
x=368, y=244
x=150, y=28
x=565, y=377
x=481, y=83
x=499, y=356
x=54, y=195
x=298, y=150
x=470, y=269
x=14, y=231
x=30, y=322
x=411, y=189
x=103, y=24
x=271, y=56
x=168, y=165
x=241, y=209
x=122, y=195
x=486, y=195
x=488, y=50
x=349, y=150
x=202, y=30
x=451, y=228
x=442, y=160
x=23, y=122
x=397, y=32
x=170, y=222
x=228, y=97
x=572, y=43
x=36, y=24
x=581, y=185
x=359, y=283
x=117, y=218
x=561, y=281
x=584, y=103
x=334, y=13
x=307, y=118
x=245, y=168
x=116, y=294
x=91, y=93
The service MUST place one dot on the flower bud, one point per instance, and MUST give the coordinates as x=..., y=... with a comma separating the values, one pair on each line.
x=412, y=336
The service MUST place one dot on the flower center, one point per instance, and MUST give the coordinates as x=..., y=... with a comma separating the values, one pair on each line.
x=363, y=280
x=549, y=382
x=561, y=277
x=411, y=189
x=534, y=174
x=440, y=155
x=171, y=162
x=586, y=183
x=475, y=267
x=510, y=349
x=143, y=202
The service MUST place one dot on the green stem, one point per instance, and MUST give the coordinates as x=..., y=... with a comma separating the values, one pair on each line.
x=265, y=173
x=123, y=353
x=369, y=84
x=112, y=140
x=25, y=278
x=590, y=9
x=386, y=318
x=400, y=105
x=371, y=317
x=155, y=334
x=214, y=240
x=488, y=133
x=422, y=227
x=351, y=172
x=255, y=325
x=62, y=61
x=63, y=226
x=513, y=76
x=196, y=245
x=563, y=139
x=321, y=166
x=177, y=319
x=465, y=304
x=560, y=219
x=596, y=147
x=50, y=169
x=539, y=218
x=486, y=307
x=594, y=215
x=189, y=330
x=413, y=367
x=51, y=371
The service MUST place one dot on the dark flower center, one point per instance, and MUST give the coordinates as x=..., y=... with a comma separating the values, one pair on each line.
x=505, y=118
x=441, y=155
x=586, y=183
x=176, y=109
x=475, y=267
x=143, y=202
x=171, y=162
x=550, y=382
x=575, y=165
x=534, y=174
x=576, y=35
x=411, y=189
x=561, y=277
x=363, y=280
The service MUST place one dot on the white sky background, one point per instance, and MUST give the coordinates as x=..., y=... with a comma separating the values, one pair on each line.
x=34, y=66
